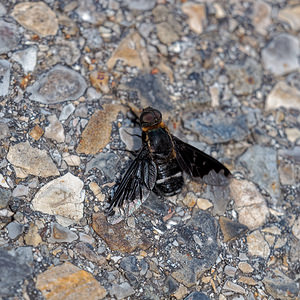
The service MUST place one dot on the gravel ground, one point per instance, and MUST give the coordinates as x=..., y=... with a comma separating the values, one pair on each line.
x=224, y=74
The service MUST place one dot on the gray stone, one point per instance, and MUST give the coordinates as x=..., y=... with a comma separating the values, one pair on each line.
x=281, y=55
x=14, y=229
x=58, y=85
x=60, y=234
x=93, y=38
x=5, y=196
x=87, y=251
x=87, y=12
x=121, y=291
x=26, y=58
x=5, y=77
x=2, y=10
x=197, y=296
x=15, y=271
x=140, y=4
x=24, y=255
x=105, y=162
x=4, y=131
x=55, y=130
x=20, y=190
x=132, y=137
x=261, y=162
x=66, y=112
x=9, y=37
x=130, y=264
x=230, y=229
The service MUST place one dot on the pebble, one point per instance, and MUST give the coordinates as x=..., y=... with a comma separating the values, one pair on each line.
x=14, y=230
x=29, y=160
x=93, y=38
x=230, y=229
x=4, y=131
x=131, y=137
x=230, y=271
x=32, y=237
x=86, y=250
x=121, y=291
x=67, y=281
x=248, y=280
x=261, y=17
x=62, y=197
x=71, y=160
x=291, y=15
x=15, y=271
x=131, y=51
x=118, y=237
x=3, y=182
x=5, y=196
x=27, y=58
x=245, y=267
x=283, y=95
x=293, y=134
x=60, y=234
x=55, y=130
x=87, y=12
x=231, y=286
x=257, y=245
x=249, y=203
x=10, y=38
x=66, y=112
x=96, y=134
x=166, y=33
x=37, y=132
x=204, y=204
x=37, y=17
x=197, y=296
x=266, y=176
x=280, y=56
x=197, y=16
x=20, y=190
x=296, y=228
x=58, y=85
x=5, y=76
x=100, y=81
x=140, y=4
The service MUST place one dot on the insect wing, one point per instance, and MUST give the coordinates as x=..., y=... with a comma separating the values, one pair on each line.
x=136, y=184
x=200, y=165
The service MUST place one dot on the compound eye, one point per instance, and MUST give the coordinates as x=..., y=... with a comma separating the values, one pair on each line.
x=148, y=118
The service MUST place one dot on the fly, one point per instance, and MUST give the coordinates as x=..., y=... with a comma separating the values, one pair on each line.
x=160, y=164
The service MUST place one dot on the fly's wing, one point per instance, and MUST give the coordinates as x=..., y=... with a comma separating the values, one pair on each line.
x=136, y=185
x=200, y=165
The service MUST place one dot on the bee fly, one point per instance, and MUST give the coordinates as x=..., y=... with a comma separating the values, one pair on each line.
x=160, y=164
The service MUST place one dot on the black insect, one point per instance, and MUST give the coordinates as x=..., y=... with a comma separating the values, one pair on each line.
x=160, y=164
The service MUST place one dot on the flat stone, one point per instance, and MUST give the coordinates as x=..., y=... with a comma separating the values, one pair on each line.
x=69, y=282
x=66, y=112
x=20, y=190
x=280, y=56
x=60, y=234
x=71, y=160
x=32, y=237
x=29, y=160
x=119, y=237
x=86, y=250
x=9, y=37
x=231, y=286
x=5, y=76
x=57, y=85
x=291, y=15
x=121, y=291
x=197, y=16
x=140, y=4
x=132, y=51
x=249, y=203
x=166, y=33
x=266, y=176
x=93, y=38
x=62, y=197
x=248, y=280
x=15, y=271
x=231, y=230
x=55, y=130
x=245, y=78
x=37, y=17
x=204, y=204
x=96, y=134
x=5, y=196
x=4, y=131
x=257, y=245
x=26, y=58
x=100, y=81
x=131, y=137
x=197, y=296
x=245, y=267
x=296, y=228
x=14, y=230
x=3, y=182
x=36, y=133
x=293, y=134
x=261, y=16
x=283, y=95
x=230, y=271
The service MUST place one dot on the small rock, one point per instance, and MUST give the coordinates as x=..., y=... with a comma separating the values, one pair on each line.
x=261, y=17
x=55, y=130
x=66, y=112
x=230, y=286
x=249, y=203
x=37, y=132
x=5, y=196
x=14, y=230
x=32, y=237
x=140, y=4
x=5, y=77
x=71, y=160
x=230, y=271
x=96, y=134
x=197, y=296
x=3, y=182
x=9, y=38
x=248, y=281
x=197, y=16
x=266, y=176
x=97, y=191
x=62, y=197
x=280, y=56
x=4, y=131
x=93, y=38
x=291, y=15
x=293, y=134
x=29, y=160
x=20, y=190
x=87, y=12
x=58, y=85
x=257, y=246
x=204, y=204
x=121, y=291
x=132, y=51
x=181, y=292
x=88, y=253
x=131, y=137
x=36, y=16
x=100, y=81
x=69, y=282
x=190, y=199
x=230, y=229
x=118, y=237
x=296, y=228
x=245, y=267
x=26, y=58
x=166, y=33
x=283, y=95
x=60, y=234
